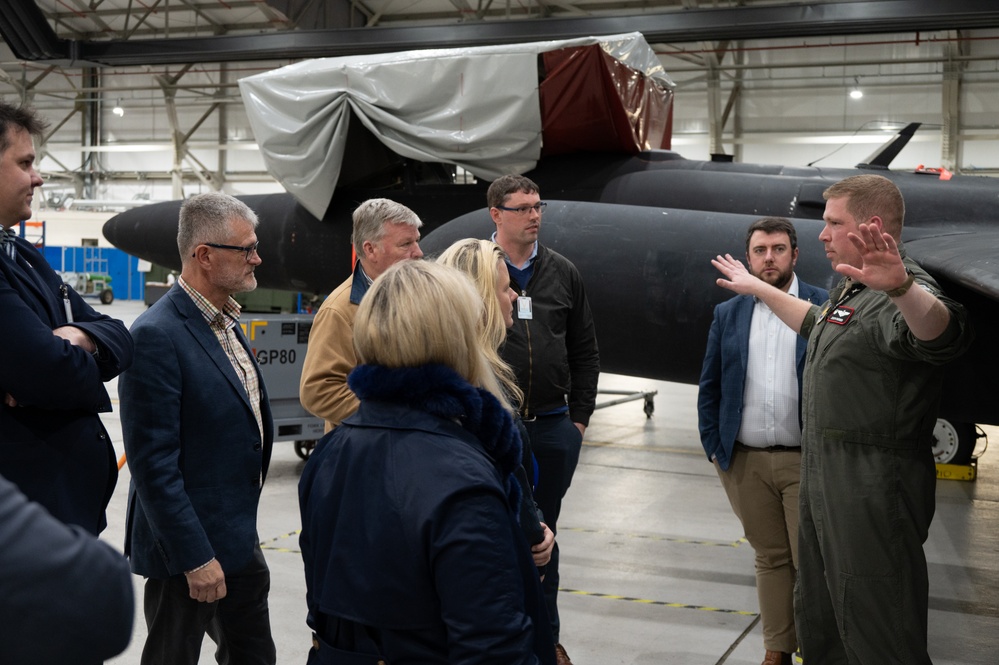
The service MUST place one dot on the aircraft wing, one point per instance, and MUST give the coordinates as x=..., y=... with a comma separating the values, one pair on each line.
x=970, y=260
x=967, y=266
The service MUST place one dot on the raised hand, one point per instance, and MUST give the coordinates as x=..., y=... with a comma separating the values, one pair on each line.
x=882, y=267
x=737, y=278
x=788, y=308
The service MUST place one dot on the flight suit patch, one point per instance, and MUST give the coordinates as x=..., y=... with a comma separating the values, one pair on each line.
x=840, y=315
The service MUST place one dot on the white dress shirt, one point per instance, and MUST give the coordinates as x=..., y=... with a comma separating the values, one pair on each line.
x=770, y=397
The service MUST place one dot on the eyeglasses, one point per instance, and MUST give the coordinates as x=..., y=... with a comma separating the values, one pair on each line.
x=250, y=250
x=523, y=210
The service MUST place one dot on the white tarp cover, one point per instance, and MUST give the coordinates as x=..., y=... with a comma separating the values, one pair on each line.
x=474, y=107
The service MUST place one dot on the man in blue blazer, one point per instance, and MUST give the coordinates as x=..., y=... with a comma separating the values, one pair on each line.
x=198, y=433
x=57, y=354
x=750, y=423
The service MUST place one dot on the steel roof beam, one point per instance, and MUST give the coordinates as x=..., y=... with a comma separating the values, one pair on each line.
x=752, y=22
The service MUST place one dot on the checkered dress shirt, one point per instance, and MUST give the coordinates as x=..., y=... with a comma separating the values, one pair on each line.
x=222, y=324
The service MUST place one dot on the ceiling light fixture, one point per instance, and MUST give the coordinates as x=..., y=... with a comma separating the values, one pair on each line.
x=855, y=91
x=118, y=110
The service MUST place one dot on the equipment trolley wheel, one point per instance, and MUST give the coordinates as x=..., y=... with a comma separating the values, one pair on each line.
x=304, y=448
x=953, y=442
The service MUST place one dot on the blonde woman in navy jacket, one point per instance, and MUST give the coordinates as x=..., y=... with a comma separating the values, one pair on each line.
x=410, y=539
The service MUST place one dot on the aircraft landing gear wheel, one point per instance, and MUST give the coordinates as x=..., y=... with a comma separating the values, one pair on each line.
x=304, y=448
x=649, y=407
x=953, y=443
x=107, y=296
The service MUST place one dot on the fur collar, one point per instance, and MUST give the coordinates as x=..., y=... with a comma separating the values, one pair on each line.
x=439, y=390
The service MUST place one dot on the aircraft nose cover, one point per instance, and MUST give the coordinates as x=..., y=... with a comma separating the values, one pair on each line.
x=478, y=108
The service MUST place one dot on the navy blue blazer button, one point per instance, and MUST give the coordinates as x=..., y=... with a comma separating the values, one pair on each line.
x=257, y=446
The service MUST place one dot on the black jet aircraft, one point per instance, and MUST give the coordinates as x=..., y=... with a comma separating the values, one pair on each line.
x=642, y=230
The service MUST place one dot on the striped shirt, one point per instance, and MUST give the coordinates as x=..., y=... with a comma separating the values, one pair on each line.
x=223, y=324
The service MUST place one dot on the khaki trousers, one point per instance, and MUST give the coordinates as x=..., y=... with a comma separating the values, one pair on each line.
x=762, y=487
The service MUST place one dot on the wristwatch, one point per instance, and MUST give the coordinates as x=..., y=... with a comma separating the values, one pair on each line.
x=902, y=290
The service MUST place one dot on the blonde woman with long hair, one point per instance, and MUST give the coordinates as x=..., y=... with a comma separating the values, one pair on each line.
x=485, y=262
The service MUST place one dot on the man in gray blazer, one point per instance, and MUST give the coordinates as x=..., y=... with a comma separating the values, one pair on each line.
x=750, y=423
x=198, y=435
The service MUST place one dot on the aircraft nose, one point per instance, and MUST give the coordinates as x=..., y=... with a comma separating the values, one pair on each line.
x=147, y=231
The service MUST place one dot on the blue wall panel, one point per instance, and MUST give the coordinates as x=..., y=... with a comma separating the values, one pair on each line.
x=126, y=281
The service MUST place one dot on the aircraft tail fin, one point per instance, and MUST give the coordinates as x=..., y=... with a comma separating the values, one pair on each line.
x=884, y=155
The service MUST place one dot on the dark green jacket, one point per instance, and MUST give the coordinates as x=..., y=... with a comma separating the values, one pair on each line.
x=869, y=380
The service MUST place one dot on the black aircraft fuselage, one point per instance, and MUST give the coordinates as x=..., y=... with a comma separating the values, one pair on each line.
x=304, y=254
x=642, y=230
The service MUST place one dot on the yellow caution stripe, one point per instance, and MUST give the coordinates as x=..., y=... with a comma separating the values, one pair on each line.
x=644, y=449
x=669, y=539
x=663, y=603
x=267, y=544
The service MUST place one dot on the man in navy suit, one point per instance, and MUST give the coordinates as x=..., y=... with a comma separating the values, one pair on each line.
x=198, y=433
x=58, y=352
x=750, y=423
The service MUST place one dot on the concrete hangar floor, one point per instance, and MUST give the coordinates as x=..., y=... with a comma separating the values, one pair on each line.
x=654, y=566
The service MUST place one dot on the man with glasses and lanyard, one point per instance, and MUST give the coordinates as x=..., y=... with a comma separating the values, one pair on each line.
x=552, y=348
x=198, y=433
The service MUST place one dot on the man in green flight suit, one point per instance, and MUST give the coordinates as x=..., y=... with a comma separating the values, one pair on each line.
x=871, y=389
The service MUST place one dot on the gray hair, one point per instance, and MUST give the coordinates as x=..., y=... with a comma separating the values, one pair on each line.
x=370, y=218
x=207, y=217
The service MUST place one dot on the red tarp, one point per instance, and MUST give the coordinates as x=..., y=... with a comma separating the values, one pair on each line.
x=591, y=101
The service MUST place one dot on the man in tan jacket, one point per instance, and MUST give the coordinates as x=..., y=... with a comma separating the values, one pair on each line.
x=385, y=232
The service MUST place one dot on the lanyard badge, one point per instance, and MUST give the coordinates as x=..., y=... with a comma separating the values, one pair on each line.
x=525, y=310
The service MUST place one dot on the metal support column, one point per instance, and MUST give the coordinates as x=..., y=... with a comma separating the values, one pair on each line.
x=950, y=101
